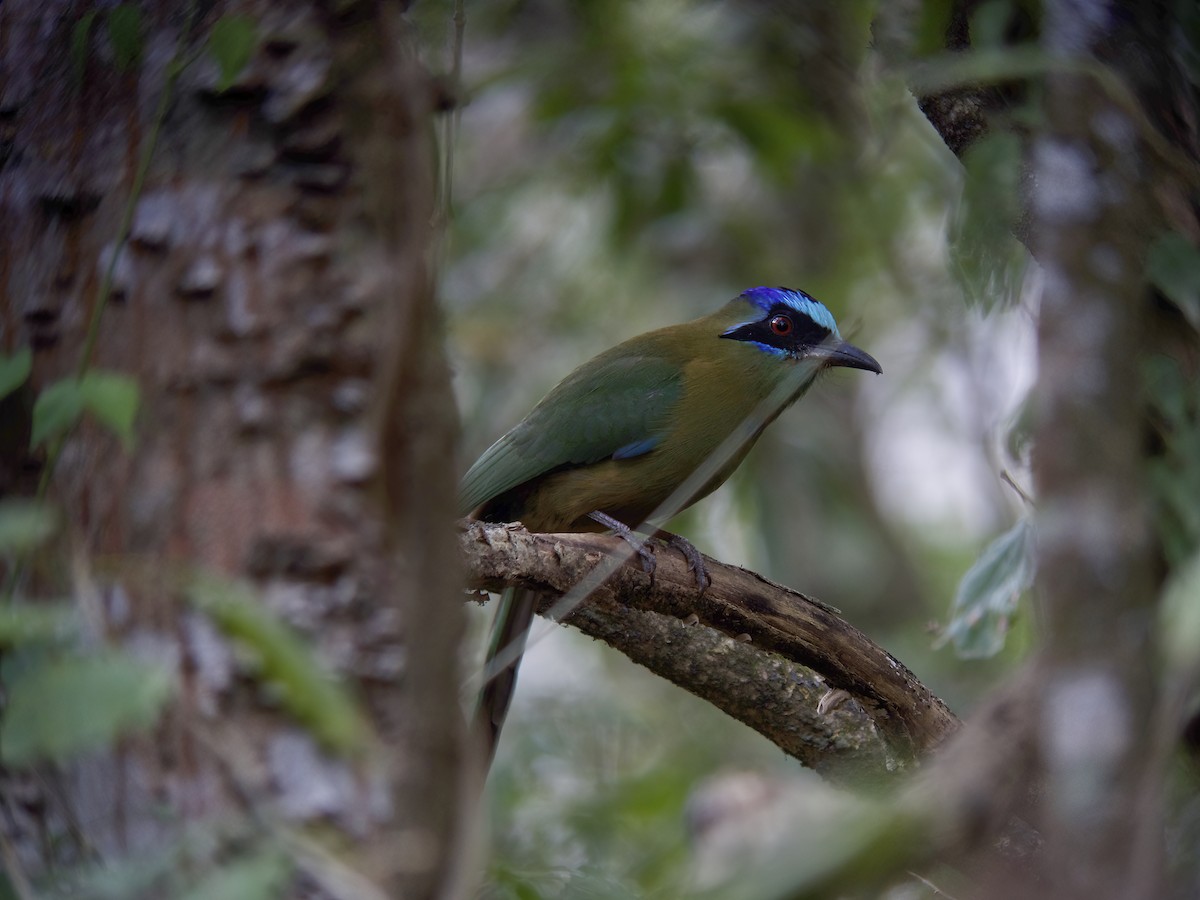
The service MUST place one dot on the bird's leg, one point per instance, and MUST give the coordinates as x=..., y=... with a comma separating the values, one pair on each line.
x=623, y=531
x=693, y=556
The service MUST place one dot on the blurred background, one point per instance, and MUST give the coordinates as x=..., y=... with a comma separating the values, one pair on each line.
x=622, y=166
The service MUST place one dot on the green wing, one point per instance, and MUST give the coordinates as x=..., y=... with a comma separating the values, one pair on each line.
x=616, y=406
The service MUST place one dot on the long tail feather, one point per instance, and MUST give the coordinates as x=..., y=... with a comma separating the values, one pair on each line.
x=513, y=617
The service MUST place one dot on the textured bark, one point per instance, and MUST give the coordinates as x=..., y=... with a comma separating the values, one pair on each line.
x=626, y=610
x=1113, y=164
x=275, y=272
x=1092, y=226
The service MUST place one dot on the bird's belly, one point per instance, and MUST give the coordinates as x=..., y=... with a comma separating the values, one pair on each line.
x=630, y=490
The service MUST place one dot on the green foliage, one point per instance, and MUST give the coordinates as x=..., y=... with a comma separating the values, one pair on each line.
x=306, y=689
x=643, y=96
x=987, y=261
x=57, y=408
x=111, y=398
x=14, y=370
x=124, y=26
x=988, y=593
x=1173, y=264
x=140, y=876
x=125, y=35
x=62, y=706
x=80, y=39
x=207, y=859
x=259, y=876
x=845, y=840
x=231, y=43
x=989, y=21
x=25, y=525
x=23, y=624
x=932, y=23
x=1179, y=619
x=1175, y=472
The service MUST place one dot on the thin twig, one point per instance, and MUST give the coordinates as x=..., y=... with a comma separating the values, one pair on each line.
x=1020, y=491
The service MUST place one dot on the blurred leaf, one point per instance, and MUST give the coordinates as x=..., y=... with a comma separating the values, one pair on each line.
x=125, y=35
x=932, y=24
x=1187, y=50
x=1173, y=264
x=14, y=370
x=56, y=409
x=845, y=838
x=989, y=22
x=309, y=692
x=988, y=594
x=143, y=874
x=986, y=260
x=262, y=876
x=23, y=624
x=61, y=707
x=1175, y=472
x=231, y=43
x=80, y=39
x=678, y=185
x=989, y=65
x=1179, y=618
x=777, y=135
x=113, y=399
x=25, y=524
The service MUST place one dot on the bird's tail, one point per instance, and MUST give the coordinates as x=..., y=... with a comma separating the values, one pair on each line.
x=513, y=617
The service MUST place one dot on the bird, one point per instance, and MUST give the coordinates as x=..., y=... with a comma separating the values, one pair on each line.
x=620, y=434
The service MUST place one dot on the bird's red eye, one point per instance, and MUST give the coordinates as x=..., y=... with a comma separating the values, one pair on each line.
x=781, y=325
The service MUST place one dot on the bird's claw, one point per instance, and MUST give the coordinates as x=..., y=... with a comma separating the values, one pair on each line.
x=695, y=560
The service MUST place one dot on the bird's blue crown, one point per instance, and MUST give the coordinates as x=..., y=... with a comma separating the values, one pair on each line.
x=767, y=298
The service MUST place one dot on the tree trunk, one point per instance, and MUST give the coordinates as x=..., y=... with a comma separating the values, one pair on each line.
x=295, y=432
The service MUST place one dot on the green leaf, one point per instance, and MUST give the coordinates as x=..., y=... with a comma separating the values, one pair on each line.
x=310, y=693
x=1173, y=264
x=849, y=841
x=259, y=877
x=986, y=261
x=23, y=624
x=113, y=399
x=231, y=42
x=25, y=525
x=62, y=707
x=14, y=370
x=80, y=37
x=1179, y=618
x=125, y=35
x=989, y=22
x=56, y=409
x=988, y=594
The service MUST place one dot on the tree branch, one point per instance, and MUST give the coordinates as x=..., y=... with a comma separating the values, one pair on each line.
x=754, y=678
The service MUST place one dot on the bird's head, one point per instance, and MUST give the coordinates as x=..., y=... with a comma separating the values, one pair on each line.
x=792, y=325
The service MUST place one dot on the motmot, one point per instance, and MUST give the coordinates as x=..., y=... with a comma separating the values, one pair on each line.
x=619, y=435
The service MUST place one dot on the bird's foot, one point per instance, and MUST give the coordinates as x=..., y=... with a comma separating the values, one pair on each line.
x=695, y=559
x=619, y=528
